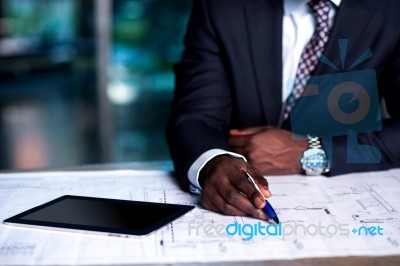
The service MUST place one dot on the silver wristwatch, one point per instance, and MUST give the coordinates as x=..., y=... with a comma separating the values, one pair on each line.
x=314, y=160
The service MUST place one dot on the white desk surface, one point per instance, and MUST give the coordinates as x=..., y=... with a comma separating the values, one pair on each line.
x=350, y=201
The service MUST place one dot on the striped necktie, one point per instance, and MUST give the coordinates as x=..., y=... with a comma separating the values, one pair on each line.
x=311, y=54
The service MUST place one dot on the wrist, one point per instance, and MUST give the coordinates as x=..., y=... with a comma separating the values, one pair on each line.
x=303, y=147
x=210, y=166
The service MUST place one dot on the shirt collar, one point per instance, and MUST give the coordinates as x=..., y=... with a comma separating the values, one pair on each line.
x=291, y=5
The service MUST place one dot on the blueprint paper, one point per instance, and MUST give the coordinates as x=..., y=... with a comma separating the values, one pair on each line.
x=351, y=201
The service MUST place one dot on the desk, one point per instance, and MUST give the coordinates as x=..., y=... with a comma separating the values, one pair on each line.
x=366, y=194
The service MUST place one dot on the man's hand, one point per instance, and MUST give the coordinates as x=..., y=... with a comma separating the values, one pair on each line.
x=227, y=190
x=270, y=149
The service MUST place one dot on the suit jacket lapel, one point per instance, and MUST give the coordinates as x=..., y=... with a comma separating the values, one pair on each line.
x=351, y=23
x=264, y=26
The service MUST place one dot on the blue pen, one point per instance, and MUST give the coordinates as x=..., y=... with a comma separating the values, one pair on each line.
x=267, y=208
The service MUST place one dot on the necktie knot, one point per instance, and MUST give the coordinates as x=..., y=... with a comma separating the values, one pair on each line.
x=321, y=10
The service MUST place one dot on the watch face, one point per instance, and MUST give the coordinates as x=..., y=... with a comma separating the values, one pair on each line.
x=314, y=161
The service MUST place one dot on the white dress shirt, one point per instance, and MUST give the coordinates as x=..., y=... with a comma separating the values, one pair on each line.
x=298, y=27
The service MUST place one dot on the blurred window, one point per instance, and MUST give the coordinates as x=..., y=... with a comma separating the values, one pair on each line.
x=146, y=42
x=50, y=100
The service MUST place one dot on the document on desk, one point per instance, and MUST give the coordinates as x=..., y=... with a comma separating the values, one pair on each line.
x=349, y=215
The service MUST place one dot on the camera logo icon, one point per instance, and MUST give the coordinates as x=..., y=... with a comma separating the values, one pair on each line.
x=341, y=104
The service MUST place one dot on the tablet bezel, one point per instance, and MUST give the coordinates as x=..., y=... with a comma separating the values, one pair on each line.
x=16, y=219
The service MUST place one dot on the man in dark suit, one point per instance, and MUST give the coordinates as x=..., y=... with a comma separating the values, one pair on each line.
x=230, y=95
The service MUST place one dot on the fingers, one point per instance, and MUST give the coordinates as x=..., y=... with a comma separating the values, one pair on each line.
x=239, y=138
x=231, y=202
x=260, y=181
x=227, y=190
x=243, y=184
x=238, y=142
x=246, y=131
x=212, y=205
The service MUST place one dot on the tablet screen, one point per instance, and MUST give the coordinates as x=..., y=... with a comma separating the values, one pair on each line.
x=102, y=215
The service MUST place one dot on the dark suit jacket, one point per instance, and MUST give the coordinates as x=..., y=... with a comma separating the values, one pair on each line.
x=231, y=71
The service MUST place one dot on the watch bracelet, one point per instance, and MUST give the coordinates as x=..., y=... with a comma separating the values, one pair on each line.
x=314, y=142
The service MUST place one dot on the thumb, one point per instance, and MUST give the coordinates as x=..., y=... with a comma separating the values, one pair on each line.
x=246, y=131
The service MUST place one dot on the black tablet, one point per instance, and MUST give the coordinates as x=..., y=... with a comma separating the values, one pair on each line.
x=99, y=215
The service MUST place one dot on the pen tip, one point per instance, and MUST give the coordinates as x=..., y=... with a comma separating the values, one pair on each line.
x=276, y=220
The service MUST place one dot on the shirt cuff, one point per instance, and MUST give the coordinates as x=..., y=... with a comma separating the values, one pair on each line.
x=195, y=168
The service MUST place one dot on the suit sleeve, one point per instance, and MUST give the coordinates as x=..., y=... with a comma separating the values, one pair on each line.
x=201, y=105
x=385, y=141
